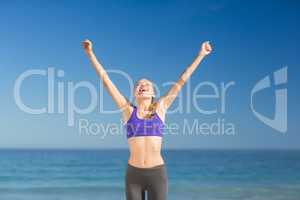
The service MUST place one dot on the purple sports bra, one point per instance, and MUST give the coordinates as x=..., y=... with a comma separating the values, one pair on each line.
x=144, y=127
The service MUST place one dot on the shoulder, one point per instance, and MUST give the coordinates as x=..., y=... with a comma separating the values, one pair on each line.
x=127, y=112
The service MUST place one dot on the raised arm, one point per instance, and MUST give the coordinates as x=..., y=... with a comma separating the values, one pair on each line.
x=166, y=100
x=120, y=100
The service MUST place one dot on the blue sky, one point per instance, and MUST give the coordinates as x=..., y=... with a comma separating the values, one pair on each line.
x=156, y=40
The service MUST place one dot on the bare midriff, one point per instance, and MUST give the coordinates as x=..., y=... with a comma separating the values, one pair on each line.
x=145, y=151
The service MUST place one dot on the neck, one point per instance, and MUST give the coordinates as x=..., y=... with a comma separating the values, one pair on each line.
x=144, y=104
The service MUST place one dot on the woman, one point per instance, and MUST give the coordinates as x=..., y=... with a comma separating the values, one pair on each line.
x=144, y=122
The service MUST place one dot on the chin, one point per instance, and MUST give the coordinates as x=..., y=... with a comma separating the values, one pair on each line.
x=144, y=96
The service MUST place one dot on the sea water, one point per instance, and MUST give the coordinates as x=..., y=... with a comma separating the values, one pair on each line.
x=192, y=174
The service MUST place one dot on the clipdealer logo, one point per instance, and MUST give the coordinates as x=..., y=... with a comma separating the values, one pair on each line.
x=278, y=123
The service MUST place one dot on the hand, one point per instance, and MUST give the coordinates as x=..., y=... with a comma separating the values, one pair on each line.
x=87, y=45
x=205, y=49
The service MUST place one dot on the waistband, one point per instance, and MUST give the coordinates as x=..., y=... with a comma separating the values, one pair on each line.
x=158, y=167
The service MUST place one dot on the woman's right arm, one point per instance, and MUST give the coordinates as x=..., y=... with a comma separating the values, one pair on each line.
x=119, y=99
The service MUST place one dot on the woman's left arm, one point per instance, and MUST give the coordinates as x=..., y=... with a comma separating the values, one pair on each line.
x=166, y=101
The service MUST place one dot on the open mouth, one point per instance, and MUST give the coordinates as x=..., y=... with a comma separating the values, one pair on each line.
x=143, y=90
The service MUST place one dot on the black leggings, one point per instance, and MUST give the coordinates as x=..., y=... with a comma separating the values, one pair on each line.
x=153, y=180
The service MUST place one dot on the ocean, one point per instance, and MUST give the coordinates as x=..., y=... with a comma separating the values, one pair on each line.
x=192, y=174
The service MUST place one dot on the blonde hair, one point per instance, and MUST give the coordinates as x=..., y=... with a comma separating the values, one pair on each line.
x=153, y=106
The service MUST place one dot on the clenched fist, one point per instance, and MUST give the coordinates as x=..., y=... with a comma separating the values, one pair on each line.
x=205, y=49
x=87, y=45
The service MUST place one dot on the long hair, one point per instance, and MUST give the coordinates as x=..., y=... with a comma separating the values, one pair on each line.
x=153, y=106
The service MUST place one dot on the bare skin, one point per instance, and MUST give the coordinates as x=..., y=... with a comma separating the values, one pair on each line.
x=145, y=152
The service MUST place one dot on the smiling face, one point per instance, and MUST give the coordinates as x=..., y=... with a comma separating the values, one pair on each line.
x=144, y=90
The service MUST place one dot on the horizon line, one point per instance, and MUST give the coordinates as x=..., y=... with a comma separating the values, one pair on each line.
x=124, y=148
